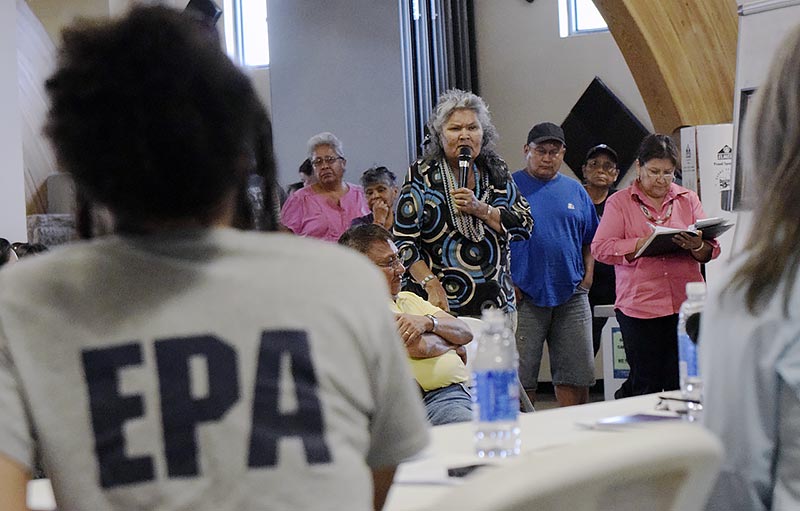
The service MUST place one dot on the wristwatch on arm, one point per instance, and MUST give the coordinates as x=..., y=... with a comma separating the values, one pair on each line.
x=434, y=322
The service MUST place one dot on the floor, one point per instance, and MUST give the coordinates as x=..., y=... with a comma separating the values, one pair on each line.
x=547, y=399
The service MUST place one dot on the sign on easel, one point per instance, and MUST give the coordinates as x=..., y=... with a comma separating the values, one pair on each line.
x=621, y=367
x=615, y=363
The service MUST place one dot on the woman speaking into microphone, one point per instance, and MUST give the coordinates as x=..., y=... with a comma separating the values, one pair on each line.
x=458, y=210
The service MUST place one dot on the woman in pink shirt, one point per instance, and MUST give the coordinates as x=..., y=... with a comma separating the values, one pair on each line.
x=650, y=290
x=325, y=208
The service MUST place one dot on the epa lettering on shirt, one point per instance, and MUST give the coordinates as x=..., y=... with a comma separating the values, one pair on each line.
x=182, y=412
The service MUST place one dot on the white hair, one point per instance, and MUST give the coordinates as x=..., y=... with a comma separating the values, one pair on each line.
x=324, y=138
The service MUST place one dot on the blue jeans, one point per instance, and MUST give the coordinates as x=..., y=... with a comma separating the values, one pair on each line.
x=448, y=404
x=567, y=328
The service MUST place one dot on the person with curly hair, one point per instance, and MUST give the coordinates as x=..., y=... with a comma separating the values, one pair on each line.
x=453, y=225
x=178, y=362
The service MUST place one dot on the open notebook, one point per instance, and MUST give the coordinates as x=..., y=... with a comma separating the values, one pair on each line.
x=660, y=241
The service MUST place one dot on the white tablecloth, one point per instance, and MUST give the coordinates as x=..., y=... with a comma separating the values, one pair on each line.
x=424, y=480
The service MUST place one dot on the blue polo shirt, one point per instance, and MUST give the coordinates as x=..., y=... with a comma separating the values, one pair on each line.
x=549, y=266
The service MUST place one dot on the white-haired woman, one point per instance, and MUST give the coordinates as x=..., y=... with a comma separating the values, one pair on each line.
x=750, y=330
x=326, y=208
x=453, y=230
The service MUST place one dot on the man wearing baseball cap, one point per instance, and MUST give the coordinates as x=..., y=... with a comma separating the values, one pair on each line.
x=599, y=174
x=553, y=271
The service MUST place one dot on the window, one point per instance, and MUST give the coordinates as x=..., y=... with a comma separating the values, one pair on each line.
x=246, y=36
x=579, y=17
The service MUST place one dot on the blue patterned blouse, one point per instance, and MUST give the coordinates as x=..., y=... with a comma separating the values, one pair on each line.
x=472, y=266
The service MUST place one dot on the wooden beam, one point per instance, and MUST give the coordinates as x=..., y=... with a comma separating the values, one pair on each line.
x=682, y=54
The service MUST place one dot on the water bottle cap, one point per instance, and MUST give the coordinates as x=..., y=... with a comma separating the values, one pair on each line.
x=491, y=313
x=695, y=288
x=493, y=317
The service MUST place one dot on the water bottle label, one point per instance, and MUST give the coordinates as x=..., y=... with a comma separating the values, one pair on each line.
x=496, y=395
x=687, y=354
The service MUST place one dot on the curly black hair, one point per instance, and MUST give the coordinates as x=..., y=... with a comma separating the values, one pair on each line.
x=5, y=251
x=153, y=120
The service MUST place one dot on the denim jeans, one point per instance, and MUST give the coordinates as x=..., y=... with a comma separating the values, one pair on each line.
x=567, y=329
x=448, y=404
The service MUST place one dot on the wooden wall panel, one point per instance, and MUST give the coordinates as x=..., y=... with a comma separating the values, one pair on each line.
x=682, y=54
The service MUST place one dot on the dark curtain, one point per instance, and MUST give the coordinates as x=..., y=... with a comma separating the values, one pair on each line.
x=462, y=68
x=439, y=52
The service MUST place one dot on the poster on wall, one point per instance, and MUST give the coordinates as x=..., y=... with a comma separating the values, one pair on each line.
x=689, y=158
x=714, y=164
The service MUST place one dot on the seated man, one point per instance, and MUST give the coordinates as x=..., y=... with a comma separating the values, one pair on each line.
x=433, y=338
x=380, y=189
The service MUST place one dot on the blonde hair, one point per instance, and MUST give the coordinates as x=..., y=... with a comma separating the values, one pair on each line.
x=771, y=150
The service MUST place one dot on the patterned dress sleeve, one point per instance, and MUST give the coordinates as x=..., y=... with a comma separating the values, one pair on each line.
x=408, y=216
x=515, y=212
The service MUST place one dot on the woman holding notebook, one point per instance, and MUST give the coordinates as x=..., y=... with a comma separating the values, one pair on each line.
x=650, y=289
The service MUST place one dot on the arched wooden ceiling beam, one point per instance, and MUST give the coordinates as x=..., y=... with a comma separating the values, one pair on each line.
x=682, y=54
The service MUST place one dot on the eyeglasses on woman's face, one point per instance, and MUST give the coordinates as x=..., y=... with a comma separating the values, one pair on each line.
x=327, y=160
x=655, y=173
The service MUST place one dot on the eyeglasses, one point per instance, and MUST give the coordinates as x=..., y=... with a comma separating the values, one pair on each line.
x=328, y=160
x=391, y=263
x=668, y=174
x=606, y=167
x=541, y=152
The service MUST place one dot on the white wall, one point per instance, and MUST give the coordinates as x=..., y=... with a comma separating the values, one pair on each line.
x=56, y=14
x=260, y=78
x=528, y=74
x=12, y=185
x=336, y=66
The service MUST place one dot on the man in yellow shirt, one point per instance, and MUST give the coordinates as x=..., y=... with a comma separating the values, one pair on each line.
x=434, y=339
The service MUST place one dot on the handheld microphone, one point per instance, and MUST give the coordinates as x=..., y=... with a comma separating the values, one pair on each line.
x=464, y=157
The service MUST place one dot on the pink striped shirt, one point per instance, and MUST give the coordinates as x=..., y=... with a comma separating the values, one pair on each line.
x=648, y=287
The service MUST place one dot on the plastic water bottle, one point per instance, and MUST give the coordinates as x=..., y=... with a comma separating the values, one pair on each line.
x=688, y=331
x=495, y=399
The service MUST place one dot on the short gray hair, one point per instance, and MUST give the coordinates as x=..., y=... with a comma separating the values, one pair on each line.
x=324, y=138
x=375, y=175
x=362, y=237
x=450, y=101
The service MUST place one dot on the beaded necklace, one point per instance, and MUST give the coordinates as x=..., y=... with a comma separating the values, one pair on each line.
x=649, y=216
x=468, y=225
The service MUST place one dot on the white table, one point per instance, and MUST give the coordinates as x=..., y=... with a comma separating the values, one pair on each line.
x=422, y=481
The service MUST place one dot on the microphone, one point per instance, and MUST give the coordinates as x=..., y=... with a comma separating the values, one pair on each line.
x=464, y=157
